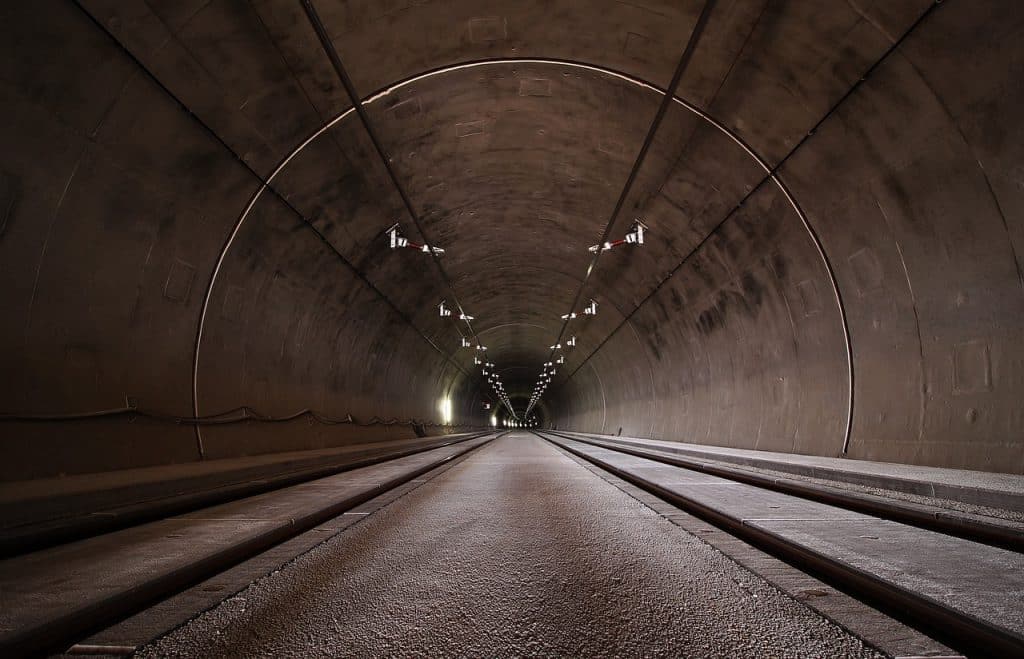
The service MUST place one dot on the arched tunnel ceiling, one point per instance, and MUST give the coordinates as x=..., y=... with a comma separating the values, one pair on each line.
x=784, y=278
x=514, y=166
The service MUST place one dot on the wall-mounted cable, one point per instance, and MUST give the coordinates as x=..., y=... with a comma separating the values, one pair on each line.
x=240, y=414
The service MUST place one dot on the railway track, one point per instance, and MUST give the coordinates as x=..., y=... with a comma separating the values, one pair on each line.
x=967, y=592
x=108, y=578
x=17, y=539
x=933, y=518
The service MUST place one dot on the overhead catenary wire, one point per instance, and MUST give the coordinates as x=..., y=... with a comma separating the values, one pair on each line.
x=339, y=68
x=666, y=103
x=772, y=176
x=264, y=186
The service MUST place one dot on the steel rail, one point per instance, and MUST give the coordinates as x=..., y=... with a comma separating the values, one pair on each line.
x=981, y=638
x=58, y=634
x=921, y=516
x=26, y=538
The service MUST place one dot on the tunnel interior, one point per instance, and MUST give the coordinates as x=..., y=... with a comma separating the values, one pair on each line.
x=194, y=221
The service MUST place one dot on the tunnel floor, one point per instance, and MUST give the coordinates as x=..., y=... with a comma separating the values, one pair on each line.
x=518, y=550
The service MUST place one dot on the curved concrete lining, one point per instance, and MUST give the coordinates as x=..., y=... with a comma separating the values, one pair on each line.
x=192, y=222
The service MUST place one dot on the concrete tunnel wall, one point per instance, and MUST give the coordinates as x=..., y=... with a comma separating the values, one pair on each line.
x=884, y=250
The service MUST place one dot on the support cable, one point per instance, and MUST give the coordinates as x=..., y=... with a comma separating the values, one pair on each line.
x=666, y=103
x=772, y=175
x=264, y=184
x=364, y=118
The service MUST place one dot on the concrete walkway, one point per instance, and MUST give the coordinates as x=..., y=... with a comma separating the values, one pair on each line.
x=981, y=488
x=516, y=551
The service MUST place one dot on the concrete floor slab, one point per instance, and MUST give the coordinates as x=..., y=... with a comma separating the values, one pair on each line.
x=516, y=551
x=986, y=582
x=976, y=487
x=58, y=582
x=977, y=580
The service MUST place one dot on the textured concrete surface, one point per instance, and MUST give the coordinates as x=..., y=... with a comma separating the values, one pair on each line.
x=934, y=481
x=33, y=501
x=156, y=621
x=516, y=551
x=972, y=578
x=888, y=635
x=64, y=580
x=190, y=221
x=974, y=492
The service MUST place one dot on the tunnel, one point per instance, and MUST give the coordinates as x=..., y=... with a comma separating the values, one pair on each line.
x=239, y=230
x=194, y=223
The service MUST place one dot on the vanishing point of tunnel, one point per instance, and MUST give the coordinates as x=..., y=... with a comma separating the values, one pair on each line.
x=512, y=328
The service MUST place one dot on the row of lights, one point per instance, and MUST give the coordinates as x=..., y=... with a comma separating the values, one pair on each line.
x=509, y=423
x=486, y=367
x=397, y=241
x=634, y=237
x=494, y=380
x=550, y=368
